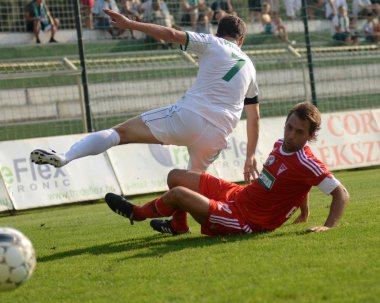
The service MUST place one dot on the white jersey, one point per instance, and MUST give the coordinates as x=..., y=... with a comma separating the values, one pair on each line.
x=225, y=78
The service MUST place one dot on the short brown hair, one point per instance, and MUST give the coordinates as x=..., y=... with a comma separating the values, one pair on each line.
x=309, y=112
x=231, y=26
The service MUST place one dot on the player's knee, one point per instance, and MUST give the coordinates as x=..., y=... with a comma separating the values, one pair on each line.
x=174, y=177
x=175, y=196
x=124, y=133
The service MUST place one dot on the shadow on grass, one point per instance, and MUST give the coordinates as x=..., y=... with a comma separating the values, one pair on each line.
x=158, y=245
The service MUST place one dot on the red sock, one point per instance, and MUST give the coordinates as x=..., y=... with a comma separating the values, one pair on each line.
x=179, y=222
x=153, y=209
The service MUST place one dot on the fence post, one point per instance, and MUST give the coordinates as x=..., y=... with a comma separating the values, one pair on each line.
x=294, y=52
x=309, y=54
x=78, y=25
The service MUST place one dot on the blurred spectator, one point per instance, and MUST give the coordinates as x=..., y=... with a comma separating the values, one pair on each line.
x=254, y=7
x=102, y=20
x=376, y=7
x=87, y=6
x=220, y=8
x=157, y=12
x=362, y=8
x=131, y=9
x=292, y=8
x=371, y=29
x=331, y=7
x=341, y=27
x=204, y=18
x=38, y=18
x=188, y=13
x=314, y=7
x=273, y=24
x=204, y=25
x=274, y=7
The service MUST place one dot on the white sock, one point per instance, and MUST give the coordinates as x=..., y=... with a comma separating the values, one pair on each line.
x=93, y=144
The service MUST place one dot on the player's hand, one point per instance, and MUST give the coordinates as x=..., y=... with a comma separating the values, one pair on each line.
x=250, y=169
x=317, y=229
x=118, y=20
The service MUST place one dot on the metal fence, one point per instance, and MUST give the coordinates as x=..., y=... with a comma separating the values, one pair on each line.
x=42, y=88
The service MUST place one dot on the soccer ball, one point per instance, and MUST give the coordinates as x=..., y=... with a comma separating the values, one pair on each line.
x=17, y=258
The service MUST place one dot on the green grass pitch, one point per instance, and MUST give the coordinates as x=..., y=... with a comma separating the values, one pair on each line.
x=86, y=253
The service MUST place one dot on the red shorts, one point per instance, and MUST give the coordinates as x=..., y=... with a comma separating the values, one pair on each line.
x=223, y=216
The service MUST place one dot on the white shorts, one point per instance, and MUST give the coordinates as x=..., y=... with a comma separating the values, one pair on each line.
x=179, y=126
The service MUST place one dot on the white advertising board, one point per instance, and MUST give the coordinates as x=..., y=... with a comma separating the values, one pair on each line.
x=31, y=185
x=349, y=139
x=5, y=201
x=140, y=167
x=346, y=140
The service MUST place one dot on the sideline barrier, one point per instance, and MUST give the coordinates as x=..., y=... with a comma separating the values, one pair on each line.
x=31, y=185
x=346, y=140
x=5, y=201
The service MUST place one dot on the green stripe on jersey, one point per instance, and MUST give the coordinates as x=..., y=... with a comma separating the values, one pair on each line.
x=234, y=70
x=184, y=47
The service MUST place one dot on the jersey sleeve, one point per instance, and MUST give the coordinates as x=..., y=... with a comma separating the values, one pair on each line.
x=253, y=91
x=328, y=184
x=316, y=173
x=196, y=43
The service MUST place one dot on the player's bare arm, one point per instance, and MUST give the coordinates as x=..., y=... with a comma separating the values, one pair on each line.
x=154, y=30
x=340, y=199
x=305, y=212
x=253, y=121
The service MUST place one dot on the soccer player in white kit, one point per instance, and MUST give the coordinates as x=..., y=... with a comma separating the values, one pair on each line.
x=204, y=117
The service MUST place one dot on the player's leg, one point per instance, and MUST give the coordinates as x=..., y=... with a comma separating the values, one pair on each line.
x=178, y=198
x=185, y=178
x=203, y=188
x=157, y=207
x=132, y=131
x=181, y=200
x=206, y=148
x=178, y=223
x=187, y=200
x=135, y=131
x=93, y=144
x=188, y=179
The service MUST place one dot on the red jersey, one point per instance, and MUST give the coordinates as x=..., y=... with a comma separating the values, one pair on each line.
x=282, y=186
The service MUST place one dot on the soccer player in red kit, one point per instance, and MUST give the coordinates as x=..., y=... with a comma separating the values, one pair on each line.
x=223, y=208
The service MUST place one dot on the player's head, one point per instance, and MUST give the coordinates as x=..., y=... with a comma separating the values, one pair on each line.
x=302, y=124
x=231, y=26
